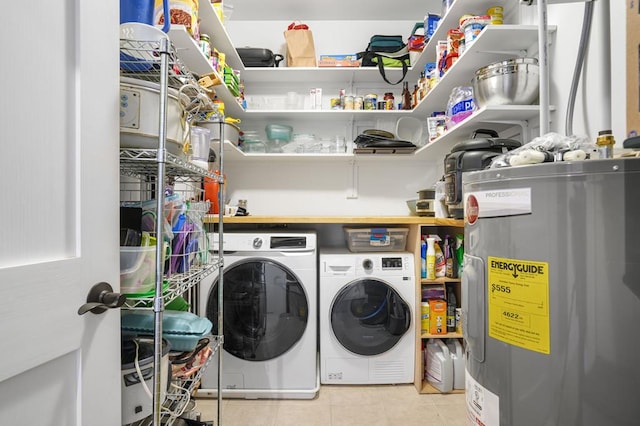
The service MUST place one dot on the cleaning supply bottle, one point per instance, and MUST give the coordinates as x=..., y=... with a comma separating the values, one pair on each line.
x=424, y=316
x=451, y=310
x=459, y=252
x=423, y=258
x=431, y=259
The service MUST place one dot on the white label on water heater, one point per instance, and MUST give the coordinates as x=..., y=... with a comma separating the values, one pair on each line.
x=483, y=406
x=497, y=202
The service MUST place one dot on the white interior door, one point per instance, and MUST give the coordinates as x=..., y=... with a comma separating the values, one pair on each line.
x=59, y=234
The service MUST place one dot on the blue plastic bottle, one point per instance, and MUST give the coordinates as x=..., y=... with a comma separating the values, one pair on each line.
x=423, y=259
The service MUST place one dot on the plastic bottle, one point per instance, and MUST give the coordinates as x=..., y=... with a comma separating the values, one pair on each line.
x=431, y=259
x=439, y=371
x=211, y=190
x=451, y=310
x=459, y=252
x=423, y=259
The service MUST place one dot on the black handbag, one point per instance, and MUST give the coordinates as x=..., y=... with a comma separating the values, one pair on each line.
x=386, y=51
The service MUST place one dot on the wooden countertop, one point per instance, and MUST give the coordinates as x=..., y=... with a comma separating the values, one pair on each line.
x=395, y=220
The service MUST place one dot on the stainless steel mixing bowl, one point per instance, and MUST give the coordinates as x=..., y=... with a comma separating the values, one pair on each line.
x=510, y=82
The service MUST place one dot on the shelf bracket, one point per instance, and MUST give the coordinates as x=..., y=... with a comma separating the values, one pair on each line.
x=524, y=126
x=353, y=181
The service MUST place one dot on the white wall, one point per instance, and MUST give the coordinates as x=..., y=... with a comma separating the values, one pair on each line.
x=600, y=100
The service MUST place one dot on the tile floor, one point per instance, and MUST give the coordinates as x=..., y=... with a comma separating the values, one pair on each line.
x=383, y=405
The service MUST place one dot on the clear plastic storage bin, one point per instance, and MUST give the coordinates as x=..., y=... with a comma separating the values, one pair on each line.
x=376, y=239
x=137, y=269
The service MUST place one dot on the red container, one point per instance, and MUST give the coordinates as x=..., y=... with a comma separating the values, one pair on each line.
x=211, y=193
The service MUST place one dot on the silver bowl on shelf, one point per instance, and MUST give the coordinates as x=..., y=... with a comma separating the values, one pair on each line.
x=511, y=82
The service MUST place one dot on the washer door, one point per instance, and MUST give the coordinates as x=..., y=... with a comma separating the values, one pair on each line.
x=265, y=309
x=368, y=317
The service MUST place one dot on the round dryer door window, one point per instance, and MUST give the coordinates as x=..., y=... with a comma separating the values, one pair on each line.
x=368, y=317
x=265, y=309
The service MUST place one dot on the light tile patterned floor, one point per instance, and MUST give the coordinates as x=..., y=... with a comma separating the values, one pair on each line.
x=384, y=405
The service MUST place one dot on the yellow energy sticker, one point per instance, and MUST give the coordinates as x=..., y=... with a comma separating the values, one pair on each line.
x=518, y=299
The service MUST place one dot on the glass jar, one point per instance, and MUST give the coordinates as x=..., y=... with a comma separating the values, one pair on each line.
x=389, y=101
x=205, y=45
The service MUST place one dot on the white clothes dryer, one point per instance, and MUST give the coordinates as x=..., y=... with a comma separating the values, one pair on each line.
x=367, y=327
x=270, y=316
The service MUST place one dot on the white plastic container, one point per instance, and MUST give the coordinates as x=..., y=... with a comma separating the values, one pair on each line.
x=439, y=369
x=457, y=358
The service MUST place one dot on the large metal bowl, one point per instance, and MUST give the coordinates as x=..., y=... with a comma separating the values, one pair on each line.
x=510, y=82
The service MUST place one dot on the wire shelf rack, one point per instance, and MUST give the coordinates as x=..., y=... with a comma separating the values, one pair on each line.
x=143, y=163
x=140, y=60
x=168, y=192
x=178, y=396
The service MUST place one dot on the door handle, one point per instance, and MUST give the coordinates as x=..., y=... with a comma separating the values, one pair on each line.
x=100, y=298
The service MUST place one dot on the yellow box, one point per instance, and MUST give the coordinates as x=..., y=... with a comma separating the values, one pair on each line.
x=437, y=317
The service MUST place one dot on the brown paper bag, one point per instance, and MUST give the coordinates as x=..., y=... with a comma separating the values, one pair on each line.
x=301, y=51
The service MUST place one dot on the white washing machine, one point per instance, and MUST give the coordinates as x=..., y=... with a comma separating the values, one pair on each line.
x=367, y=327
x=270, y=316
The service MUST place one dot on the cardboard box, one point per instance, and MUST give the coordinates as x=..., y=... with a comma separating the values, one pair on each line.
x=350, y=60
x=437, y=317
x=633, y=68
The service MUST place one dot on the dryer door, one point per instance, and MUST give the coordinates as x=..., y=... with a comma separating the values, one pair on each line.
x=265, y=309
x=368, y=317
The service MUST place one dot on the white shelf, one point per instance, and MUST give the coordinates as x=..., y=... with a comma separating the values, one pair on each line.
x=325, y=114
x=190, y=54
x=495, y=43
x=496, y=118
x=516, y=40
x=451, y=20
x=210, y=24
x=331, y=10
x=320, y=75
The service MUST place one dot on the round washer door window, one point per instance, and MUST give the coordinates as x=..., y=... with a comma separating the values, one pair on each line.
x=265, y=309
x=368, y=317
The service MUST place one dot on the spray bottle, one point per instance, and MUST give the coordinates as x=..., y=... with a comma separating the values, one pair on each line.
x=431, y=259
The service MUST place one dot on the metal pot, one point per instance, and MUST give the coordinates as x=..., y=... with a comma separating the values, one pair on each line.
x=139, y=116
x=510, y=82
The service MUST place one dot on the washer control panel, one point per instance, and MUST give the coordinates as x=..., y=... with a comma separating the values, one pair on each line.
x=391, y=263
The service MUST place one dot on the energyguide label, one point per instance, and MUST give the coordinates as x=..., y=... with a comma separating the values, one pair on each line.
x=518, y=302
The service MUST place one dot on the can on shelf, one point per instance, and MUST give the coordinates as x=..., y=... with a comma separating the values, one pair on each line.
x=424, y=317
x=370, y=101
x=358, y=102
x=347, y=102
x=382, y=105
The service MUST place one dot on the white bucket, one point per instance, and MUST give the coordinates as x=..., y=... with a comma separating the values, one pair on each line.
x=136, y=404
x=439, y=370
